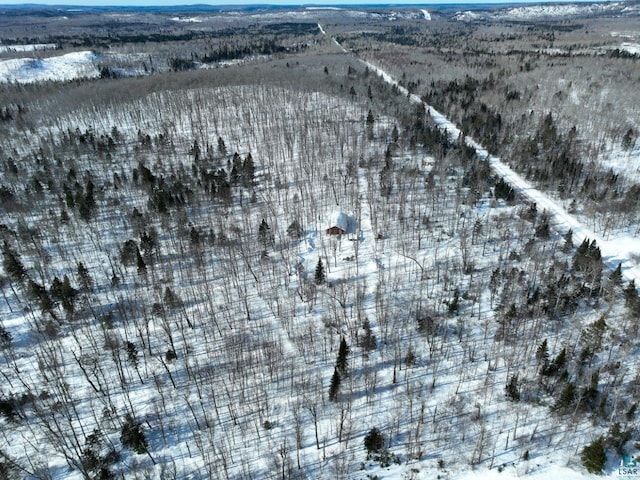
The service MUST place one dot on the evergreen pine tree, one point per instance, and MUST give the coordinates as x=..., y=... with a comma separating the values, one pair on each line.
x=12, y=264
x=542, y=353
x=86, y=202
x=566, y=398
x=295, y=230
x=557, y=366
x=594, y=456
x=511, y=388
x=631, y=298
x=591, y=337
x=374, y=441
x=370, y=122
x=222, y=148
x=334, y=387
x=248, y=171
x=386, y=177
x=132, y=435
x=395, y=136
x=370, y=119
x=342, y=360
x=504, y=191
x=580, y=256
x=568, y=241
x=5, y=337
x=319, y=276
x=39, y=294
x=63, y=292
x=369, y=341
x=129, y=253
x=616, y=275
x=617, y=437
x=264, y=234
x=149, y=244
x=84, y=278
x=543, y=228
x=236, y=168
x=132, y=353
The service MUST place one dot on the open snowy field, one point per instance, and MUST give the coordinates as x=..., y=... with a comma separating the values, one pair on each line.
x=70, y=66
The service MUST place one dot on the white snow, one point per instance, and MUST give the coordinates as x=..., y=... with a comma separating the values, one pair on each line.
x=632, y=48
x=531, y=12
x=321, y=29
x=427, y=15
x=623, y=250
x=282, y=336
x=545, y=473
x=343, y=221
x=32, y=47
x=467, y=16
x=187, y=19
x=629, y=35
x=70, y=66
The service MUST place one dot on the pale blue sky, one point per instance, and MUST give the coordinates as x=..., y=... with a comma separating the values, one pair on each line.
x=206, y=2
x=256, y=2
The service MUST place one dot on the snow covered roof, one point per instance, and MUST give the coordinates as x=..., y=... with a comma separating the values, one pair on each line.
x=343, y=221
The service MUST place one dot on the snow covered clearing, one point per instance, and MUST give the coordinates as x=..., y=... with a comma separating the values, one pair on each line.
x=632, y=48
x=530, y=12
x=622, y=161
x=62, y=68
x=467, y=16
x=426, y=14
x=27, y=48
x=548, y=11
x=187, y=19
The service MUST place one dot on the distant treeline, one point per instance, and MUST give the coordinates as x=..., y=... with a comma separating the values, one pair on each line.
x=104, y=41
x=228, y=52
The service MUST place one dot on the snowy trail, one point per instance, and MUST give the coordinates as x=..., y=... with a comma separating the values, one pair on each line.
x=368, y=261
x=615, y=251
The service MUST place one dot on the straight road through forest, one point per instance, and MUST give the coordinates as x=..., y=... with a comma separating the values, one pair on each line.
x=614, y=251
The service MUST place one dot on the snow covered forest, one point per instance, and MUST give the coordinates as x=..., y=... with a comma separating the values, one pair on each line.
x=320, y=244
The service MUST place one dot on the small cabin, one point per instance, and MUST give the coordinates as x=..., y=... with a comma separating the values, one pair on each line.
x=341, y=224
x=335, y=230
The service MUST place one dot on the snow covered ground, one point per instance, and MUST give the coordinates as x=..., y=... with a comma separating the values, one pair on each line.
x=255, y=338
x=548, y=10
x=27, y=48
x=632, y=48
x=187, y=19
x=70, y=66
x=621, y=250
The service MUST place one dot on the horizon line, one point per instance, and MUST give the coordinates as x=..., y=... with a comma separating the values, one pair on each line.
x=289, y=3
